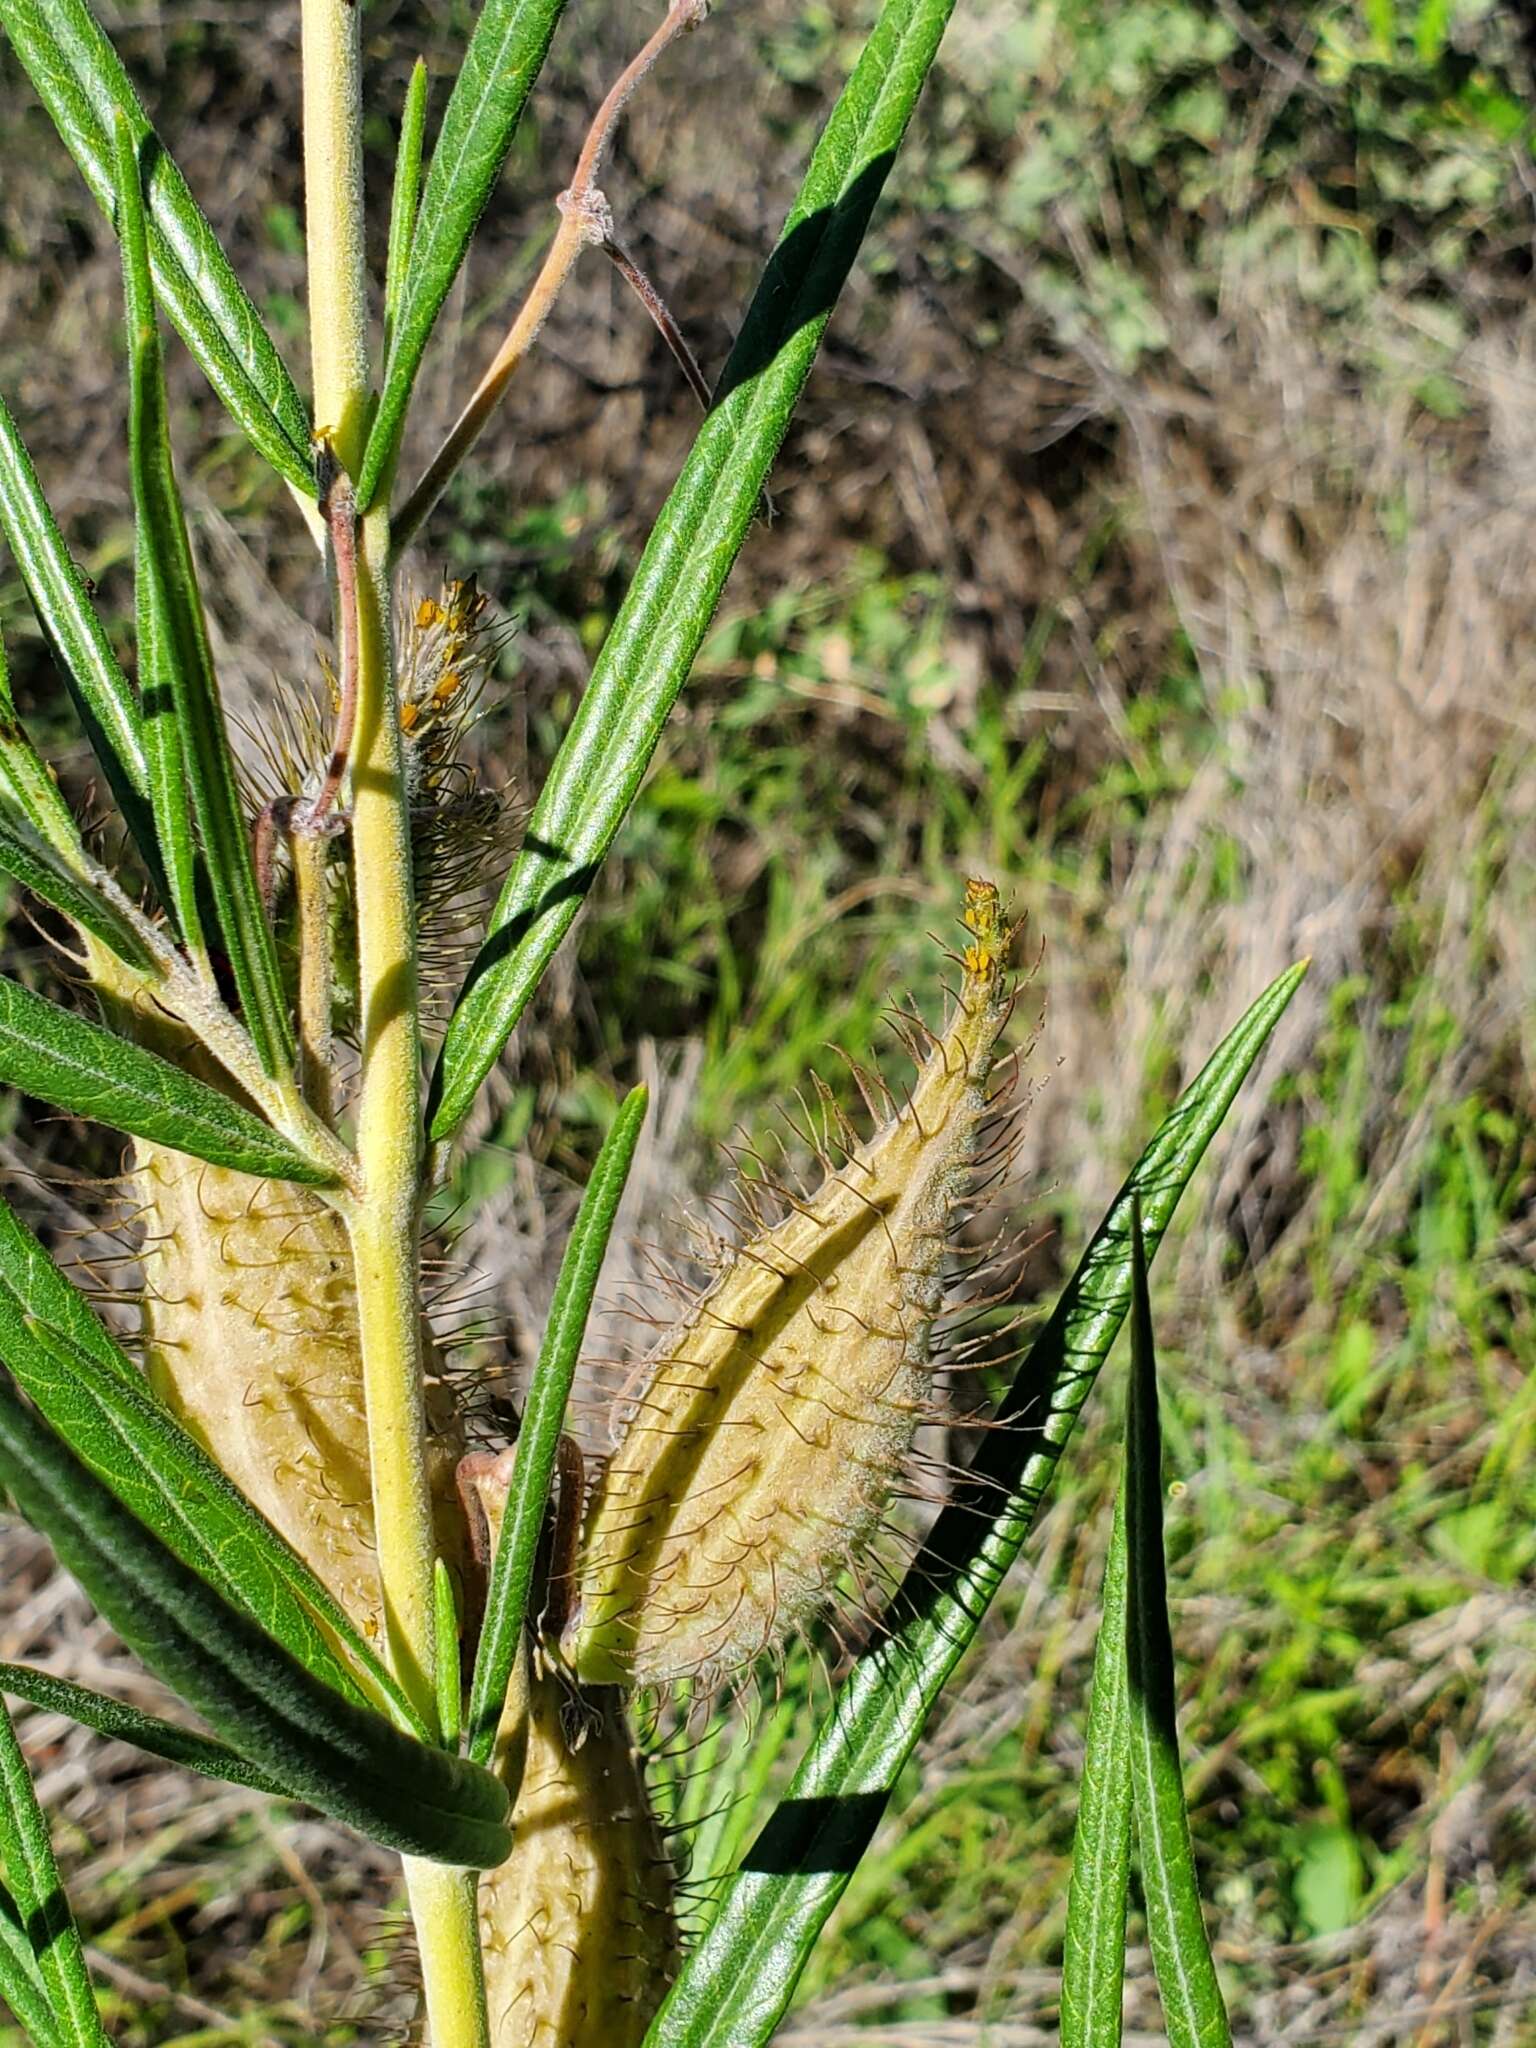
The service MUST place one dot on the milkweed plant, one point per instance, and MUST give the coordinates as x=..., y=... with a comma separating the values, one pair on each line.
x=270, y=1484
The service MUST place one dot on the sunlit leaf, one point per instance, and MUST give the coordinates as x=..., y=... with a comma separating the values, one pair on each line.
x=506, y=1603
x=81, y=81
x=503, y=59
x=64, y=1059
x=342, y=1758
x=42, y=1908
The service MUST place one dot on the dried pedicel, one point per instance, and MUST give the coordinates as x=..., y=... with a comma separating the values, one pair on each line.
x=773, y=1421
x=578, y=1928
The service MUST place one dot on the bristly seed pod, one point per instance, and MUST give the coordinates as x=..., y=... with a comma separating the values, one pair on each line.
x=578, y=1927
x=773, y=1421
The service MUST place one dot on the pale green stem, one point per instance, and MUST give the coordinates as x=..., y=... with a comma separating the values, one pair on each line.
x=384, y=1220
x=333, y=205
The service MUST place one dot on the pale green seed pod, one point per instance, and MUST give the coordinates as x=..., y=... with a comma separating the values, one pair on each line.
x=578, y=1927
x=251, y=1340
x=774, y=1420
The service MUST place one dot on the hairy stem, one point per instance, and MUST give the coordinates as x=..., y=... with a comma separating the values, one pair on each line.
x=384, y=1221
x=333, y=208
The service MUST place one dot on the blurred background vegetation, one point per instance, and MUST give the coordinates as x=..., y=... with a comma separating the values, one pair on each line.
x=1155, y=539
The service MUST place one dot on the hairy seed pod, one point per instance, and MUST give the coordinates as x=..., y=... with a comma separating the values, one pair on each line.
x=579, y=1927
x=249, y=1324
x=773, y=1421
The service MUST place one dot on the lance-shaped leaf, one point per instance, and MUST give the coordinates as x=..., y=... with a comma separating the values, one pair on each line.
x=506, y=1600
x=149, y=444
x=503, y=59
x=30, y=860
x=736, y=1984
x=76, y=1065
x=190, y=747
x=1093, y=1956
x=103, y=695
x=81, y=81
x=20, y=1984
x=122, y=1723
x=41, y=1905
x=646, y=658
x=67, y=1362
x=1193, y=2009
x=405, y=197
x=345, y=1760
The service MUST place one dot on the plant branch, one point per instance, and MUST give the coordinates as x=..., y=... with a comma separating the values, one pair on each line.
x=312, y=901
x=585, y=221
x=339, y=507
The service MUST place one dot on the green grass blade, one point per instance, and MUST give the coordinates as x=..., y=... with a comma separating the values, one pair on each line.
x=180, y=692
x=80, y=79
x=103, y=695
x=345, y=1760
x=646, y=658
x=533, y=1462
x=1093, y=1961
x=503, y=59
x=122, y=1723
x=67, y=1362
x=405, y=197
x=76, y=1065
x=1193, y=2010
x=736, y=1984
x=30, y=860
x=20, y=1985
x=42, y=1908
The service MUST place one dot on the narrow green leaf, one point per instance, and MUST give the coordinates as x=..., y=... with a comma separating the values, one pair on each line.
x=102, y=694
x=190, y=749
x=1093, y=1959
x=150, y=468
x=1193, y=2010
x=661, y=625
x=404, y=197
x=20, y=1985
x=78, y=1066
x=737, y=1982
x=30, y=860
x=81, y=81
x=450, y=1697
x=503, y=59
x=538, y=1437
x=29, y=789
x=41, y=1904
x=115, y=1718
x=344, y=1759
x=67, y=1362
